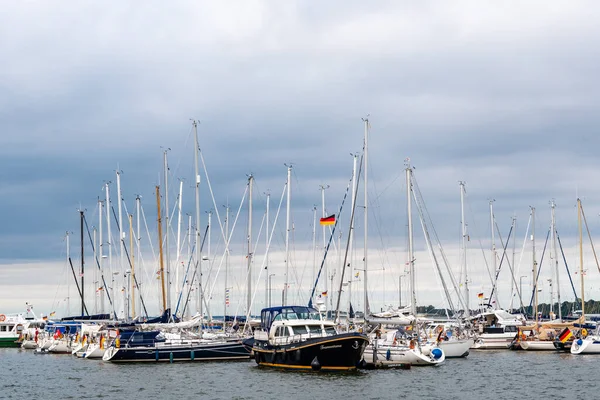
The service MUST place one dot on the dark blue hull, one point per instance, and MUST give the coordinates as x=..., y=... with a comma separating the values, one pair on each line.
x=230, y=350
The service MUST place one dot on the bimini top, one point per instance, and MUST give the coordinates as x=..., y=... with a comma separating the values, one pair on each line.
x=268, y=315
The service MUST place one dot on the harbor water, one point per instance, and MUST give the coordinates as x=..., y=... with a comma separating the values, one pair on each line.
x=483, y=374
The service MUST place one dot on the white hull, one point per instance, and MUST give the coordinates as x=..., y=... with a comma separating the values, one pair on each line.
x=94, y=351
x=589, y=345
x=395, y=356
x=60, y=346
x=456, y=348
x=537, y=345
x=493, y=341
x=29, y=344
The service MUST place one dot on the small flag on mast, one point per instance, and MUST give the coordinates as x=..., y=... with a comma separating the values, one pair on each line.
x=328, y=220
x=480, y=295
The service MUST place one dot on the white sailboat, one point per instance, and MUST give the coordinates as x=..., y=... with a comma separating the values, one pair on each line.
x=397, y=348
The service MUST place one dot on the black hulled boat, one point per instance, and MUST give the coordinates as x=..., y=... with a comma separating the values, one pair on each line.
x=297, y=337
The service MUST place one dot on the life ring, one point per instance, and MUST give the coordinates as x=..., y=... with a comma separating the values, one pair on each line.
x=412, y=344
x=584, y=332
x=523, y=337
x=2, y=317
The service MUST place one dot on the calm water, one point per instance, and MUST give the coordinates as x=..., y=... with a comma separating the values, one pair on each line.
x=495, y=374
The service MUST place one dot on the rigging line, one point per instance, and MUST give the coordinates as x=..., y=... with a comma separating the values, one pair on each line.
x=129, y=262
x=228, y=242
x=421, y=204
x=521, y=256
x=537, y=277
x=504, y=246
x=487, y=266
x=100, y=269
x=329, y=243
x=505, y=255
x=54, y=302
x=430, y=248
x=590, y=236
x=212, y=195
x=262, y=267
x=191, y=286
x=566, y=265
x=348, y=239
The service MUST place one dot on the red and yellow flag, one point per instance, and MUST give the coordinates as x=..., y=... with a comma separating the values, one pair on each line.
x=328, y=220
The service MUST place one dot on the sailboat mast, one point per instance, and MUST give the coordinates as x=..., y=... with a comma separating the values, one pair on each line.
x=167, y=254
x=226, y=298
x=132, y=274
x=267, y=288
x=413, y=295
x=82, y=264
x=109, y=243
x=68, y=280
x=354, y=194
x=95, y=255
x=581, y=257
x=122, y=245
x=138, y=239
x=160, y=250
x=464, y=247
x=366, y=216
x=534, y=265
x=249, y=274
x=100, y=256
x=555, y=255
x=494, y=256
x=178, y=266
x=197, y=244
x=287, y=235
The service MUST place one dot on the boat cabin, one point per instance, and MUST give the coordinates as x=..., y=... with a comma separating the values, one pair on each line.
x=284, y=325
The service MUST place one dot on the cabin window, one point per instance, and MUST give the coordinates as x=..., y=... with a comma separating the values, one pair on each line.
x=300, y=330
x=282, y=331
x=510, y=328
x=3, y=328
x=315, y=329
x=330, y=330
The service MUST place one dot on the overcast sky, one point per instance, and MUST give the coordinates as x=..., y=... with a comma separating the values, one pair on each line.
x=502, y=95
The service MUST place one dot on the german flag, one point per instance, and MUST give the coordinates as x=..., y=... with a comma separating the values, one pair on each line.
x=565, y=335
x=328, y=220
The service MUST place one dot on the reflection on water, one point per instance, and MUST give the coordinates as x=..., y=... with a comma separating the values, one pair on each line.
x=484, y=374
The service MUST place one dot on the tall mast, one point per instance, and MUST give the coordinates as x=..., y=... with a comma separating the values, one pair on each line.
x=82, y=264
x=160, y=250
x=411, y=261
x=464, y=247
x=122, y=245
x=189, y=255
x=494, y=256
x=197, y=194
x=226, y=298
x=354, y=194
x=132, y=273
x=534, y=265
x=178, y=249
x=167, y=254
x=555, y=255
x=267, y=288
x=95, y=255
x=249, y=277
x=581, y=258
x=109, y=243
x=514, y=252
x=138, y=239
x=68, y=280
x=101, y=254
x=366, y=216
x=287, y=234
